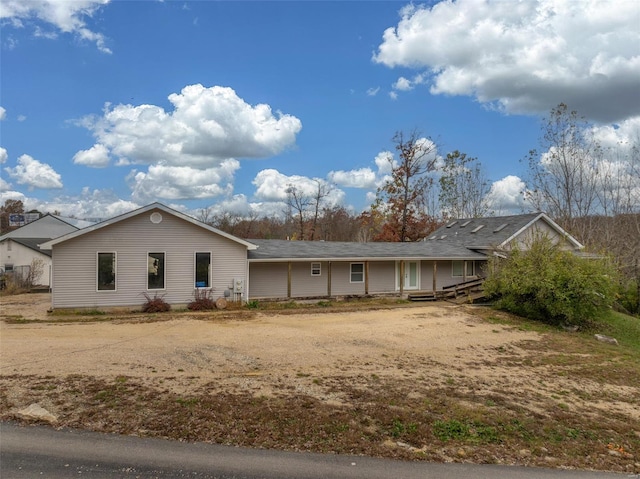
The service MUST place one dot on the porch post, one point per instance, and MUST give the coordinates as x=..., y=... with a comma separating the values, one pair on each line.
x=329, y=278
x=366, y=277
x=289, y=279
x=401, y=277
x=435, y=276
x=464, y=271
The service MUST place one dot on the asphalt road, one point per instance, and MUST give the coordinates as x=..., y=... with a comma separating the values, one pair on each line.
x=38, y=451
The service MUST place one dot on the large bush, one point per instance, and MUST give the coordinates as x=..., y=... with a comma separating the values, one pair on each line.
x=545, y=283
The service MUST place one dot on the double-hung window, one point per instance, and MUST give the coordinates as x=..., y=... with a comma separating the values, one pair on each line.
x=316, y=269
x=155, y=271
x=106, y=278
x=457, y=268
x=203, y=270
x=357, y=273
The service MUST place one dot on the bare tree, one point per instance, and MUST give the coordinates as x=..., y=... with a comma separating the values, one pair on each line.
x=564, y=177
x=298, y=203
x=463, y=187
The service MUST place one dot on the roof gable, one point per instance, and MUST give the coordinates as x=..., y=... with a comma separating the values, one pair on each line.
x=495, y=232
x=140, y=211
x=46, y=227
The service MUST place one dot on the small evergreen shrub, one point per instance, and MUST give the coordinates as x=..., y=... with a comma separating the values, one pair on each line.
x=157, y=304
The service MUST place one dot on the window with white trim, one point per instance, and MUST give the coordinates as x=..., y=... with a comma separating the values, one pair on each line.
x=457, y=268
x=203, y=270
x=357, y=273
x=106, y=277
x=155, y=270
x=316, y=269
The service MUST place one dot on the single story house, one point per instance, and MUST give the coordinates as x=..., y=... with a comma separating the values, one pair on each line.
x=19, y=248
x=156, y=250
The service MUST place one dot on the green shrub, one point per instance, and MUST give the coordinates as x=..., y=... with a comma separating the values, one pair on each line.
x=548, y=284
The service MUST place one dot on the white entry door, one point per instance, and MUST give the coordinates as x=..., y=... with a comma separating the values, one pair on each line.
x=411, y=275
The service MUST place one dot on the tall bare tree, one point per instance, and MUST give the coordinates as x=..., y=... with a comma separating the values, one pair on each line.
x=563, y=175
x=463, y=187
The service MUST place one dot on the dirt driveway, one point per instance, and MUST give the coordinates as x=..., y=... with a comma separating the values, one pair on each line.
x=253, y=354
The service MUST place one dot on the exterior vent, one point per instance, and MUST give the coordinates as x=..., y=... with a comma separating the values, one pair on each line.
x=500, y=228
x=465, y=223
x=475, y=230
x=451, y=224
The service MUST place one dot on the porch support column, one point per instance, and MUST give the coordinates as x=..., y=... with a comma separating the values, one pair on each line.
x=435, y=276
x=289, y=279
x=401, y=277
x=464, y=271
x=329, y=278
x=366, y=277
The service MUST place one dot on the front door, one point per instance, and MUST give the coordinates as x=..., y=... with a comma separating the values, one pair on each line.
x=411, y=275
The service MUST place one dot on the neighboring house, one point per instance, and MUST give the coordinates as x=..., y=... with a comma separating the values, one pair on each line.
x=156, y=250
x=19, y=247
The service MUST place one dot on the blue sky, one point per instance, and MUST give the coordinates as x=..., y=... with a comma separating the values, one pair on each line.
x=106, y=106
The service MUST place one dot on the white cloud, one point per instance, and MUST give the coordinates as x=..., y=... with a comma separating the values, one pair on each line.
x=3, y=155
x=622, y=136
x=526, y=57
x=3, y=112
x=4, y=186
x=63, y=15
x=206, y=127
x=34, y=174
x=22, y=118
x=373, y=91
x=506, y=196
x=360, y=178
x=271, y=185
x=97, y=156
x=403, y=84
x=182, y=182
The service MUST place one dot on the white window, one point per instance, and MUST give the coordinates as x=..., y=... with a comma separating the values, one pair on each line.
x=106, y=279
x=316, y=269
x=457, y=268
x=203, y=270
x=155, y=271
x=357, y=272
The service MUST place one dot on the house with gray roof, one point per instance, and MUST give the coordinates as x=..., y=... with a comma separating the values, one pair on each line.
x=20, y=247
x=156, y=250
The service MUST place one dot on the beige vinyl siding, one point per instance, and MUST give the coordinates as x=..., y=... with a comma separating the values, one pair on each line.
x=305, y=285
x=268, y=280
x=341, y=277
x=541, y=229
x=132, y=239
x=382, y=277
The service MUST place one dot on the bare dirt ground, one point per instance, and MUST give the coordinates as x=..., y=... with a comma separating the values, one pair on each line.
x=435, y=381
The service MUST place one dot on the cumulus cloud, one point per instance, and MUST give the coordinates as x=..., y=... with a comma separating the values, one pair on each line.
x=506, y=196
x=3, y=112
x=34, y=174
x=525, y=57
x=360, y=178
x=206, y=127
x=97, y=156
x=63, y=15
x=373, y=91
x=182, y=182
x=271, y=185
x=3, y=155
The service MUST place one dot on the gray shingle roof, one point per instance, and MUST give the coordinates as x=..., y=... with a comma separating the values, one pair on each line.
x=273, y=250
x=32, y=243
x=481, y=233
